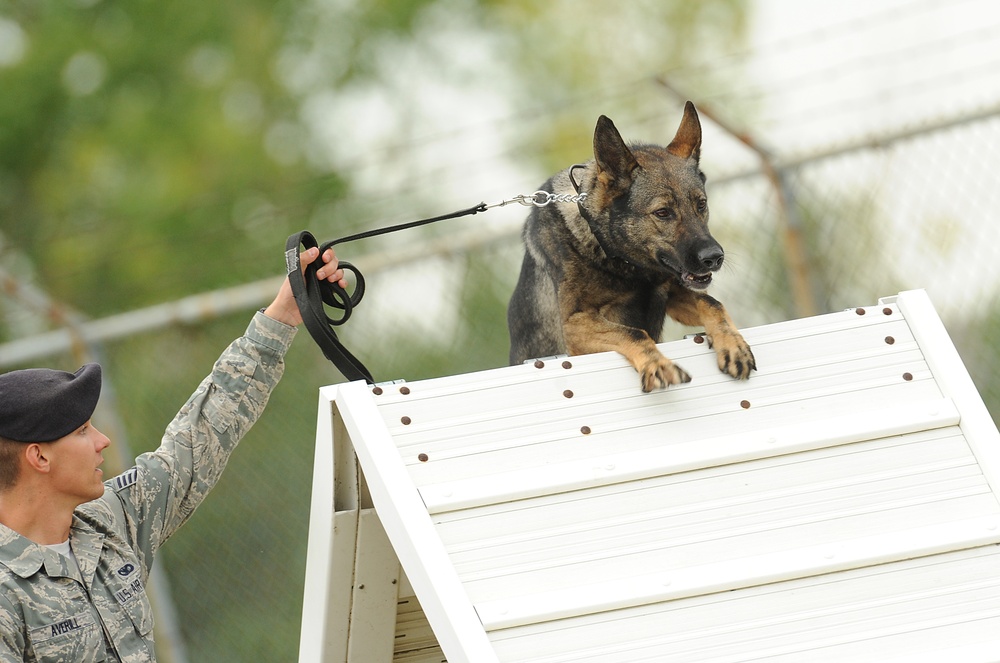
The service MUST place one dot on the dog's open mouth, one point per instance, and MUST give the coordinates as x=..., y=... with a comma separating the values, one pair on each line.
x=696, y=281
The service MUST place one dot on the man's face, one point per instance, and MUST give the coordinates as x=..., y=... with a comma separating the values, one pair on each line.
x=76, y=460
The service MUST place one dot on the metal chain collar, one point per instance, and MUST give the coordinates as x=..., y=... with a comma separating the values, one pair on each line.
x=541, y=199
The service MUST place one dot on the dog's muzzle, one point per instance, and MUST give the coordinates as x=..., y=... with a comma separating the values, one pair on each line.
x=708, y=259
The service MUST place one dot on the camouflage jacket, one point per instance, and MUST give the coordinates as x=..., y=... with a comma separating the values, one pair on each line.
x=48, y=612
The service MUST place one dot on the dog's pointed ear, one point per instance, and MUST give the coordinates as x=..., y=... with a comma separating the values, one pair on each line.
x=687, y=142
x=611, y=153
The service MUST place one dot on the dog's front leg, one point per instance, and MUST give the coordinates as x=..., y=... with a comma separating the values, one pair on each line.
x=700, y=310
x=587, y=331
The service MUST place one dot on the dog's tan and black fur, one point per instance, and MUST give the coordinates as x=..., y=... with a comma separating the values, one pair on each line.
x=603, y=274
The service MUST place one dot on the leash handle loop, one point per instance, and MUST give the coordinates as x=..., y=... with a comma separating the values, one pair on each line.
x=311, y=294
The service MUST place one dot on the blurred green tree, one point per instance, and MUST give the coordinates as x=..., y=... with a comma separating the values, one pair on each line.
x=143, y=145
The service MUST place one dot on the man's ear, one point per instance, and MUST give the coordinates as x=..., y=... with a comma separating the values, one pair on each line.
x=37, y=457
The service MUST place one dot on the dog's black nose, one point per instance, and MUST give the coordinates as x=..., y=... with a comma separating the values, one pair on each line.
x=711, y=257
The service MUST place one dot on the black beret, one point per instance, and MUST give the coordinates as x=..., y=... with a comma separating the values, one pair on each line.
x=42, y=405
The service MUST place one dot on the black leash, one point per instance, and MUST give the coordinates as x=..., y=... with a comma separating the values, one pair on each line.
x=311, y=293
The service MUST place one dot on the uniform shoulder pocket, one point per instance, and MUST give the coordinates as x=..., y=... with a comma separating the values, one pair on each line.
x=232, y=379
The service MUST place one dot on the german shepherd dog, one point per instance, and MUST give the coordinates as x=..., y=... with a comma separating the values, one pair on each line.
x=603, y=273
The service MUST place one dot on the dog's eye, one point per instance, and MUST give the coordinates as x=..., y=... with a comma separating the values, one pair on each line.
x=664, y=213
x=701, y=206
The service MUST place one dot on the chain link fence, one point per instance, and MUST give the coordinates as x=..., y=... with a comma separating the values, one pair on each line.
x=816, y=234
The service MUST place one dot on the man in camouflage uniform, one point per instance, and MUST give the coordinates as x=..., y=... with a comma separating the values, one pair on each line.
x=76, y=551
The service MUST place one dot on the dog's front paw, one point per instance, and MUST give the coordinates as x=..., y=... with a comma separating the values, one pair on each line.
x=734, y=355
x=658, y=372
